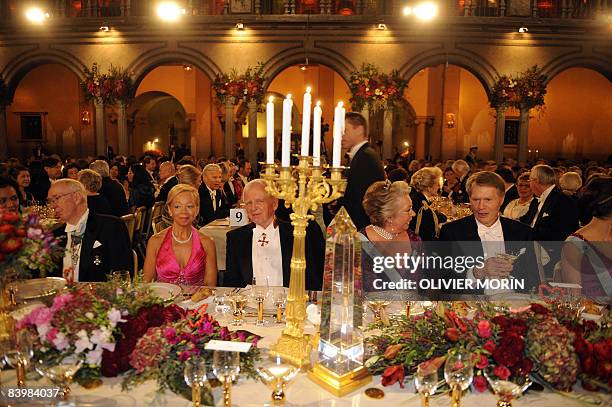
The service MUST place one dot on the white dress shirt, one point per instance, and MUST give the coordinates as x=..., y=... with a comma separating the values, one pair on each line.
x=542, y=199
x=213, y=197
x=267, y=256
x=356, y=148
x=76, y=230
x=492, y=238
x=244, y=179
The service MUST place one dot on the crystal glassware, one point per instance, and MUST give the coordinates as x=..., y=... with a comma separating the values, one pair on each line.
x=508, y=389
x=458, y=373
x=226, y=366
x=426, y=382
x=279, y=298
x=259, y=293
x=195, y=376
x=18, y=351
x=60, y=373
x=379, y=309
x=277, y=373
x=238, y=303
x=121, y=278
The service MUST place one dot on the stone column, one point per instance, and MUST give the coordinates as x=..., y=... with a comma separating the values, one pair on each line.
x=388, y=133
x=252, y=150
x=3, y=133
x=122, y=130
x=500, y=125
x=523, y=129
x=365, y=112
x=100, y=134
x=419, y=148
x=229, y=128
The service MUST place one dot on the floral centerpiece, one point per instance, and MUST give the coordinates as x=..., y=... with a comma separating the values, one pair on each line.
x=541, y=338
x=25, y=246
x=114, y=86
x=247, y=86
x=525, y=90
x=375, y=90
x=161, y=353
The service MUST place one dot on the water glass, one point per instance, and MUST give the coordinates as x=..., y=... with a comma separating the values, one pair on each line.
x=195, y=376
x=226, y=366
x=60, y=373
x=458, y=373
x=238, y=303
x=279, y=298
x=18, y=351
x=426, y=382
x=121, y=278
x=277, y=373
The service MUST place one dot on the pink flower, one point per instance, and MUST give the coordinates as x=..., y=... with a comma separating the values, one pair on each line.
x=483, y=362
x=480, y=383
x=60, y=301
x=52, y=334
x=502, y=372
x=41, y=316
x=60, y=342
x=170, y=335
x=484, y=329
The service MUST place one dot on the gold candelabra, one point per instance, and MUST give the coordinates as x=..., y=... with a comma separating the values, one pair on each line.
x=303, y=188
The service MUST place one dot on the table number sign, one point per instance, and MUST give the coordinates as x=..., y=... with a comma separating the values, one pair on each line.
x=238, y=217
x=228, y=346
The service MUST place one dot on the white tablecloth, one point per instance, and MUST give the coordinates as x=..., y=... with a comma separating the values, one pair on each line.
x=217, y=229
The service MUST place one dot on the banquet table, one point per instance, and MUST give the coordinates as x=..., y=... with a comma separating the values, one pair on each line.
x=302, y=392
x=217, y=229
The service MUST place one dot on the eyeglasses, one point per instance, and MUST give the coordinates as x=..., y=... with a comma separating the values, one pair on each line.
x=52, y=200
x=12, y=198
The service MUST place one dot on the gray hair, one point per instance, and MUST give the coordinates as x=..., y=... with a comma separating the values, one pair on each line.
x=101, y=167
x=212, y=167
x=91, y=180
x=425, y=178
x=543, y=174
x=461, y=166
x=73, y=186
x=570, y=181
x=381, y=200
x=256, y=182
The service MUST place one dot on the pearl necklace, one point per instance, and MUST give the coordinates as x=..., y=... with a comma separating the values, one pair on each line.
x=383, y=233
x=177, y=240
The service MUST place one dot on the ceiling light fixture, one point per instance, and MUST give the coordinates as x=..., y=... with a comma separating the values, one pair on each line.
x=426, y=11
x=169, y=11
x=36, y=15
x=407, y=10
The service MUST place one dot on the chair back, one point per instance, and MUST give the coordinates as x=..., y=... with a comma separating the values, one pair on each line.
x=156, y=212
x=130, y=223
x=141, y=215
x=157, y=224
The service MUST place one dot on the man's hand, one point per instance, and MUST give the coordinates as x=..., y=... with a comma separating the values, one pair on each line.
x=494, y=267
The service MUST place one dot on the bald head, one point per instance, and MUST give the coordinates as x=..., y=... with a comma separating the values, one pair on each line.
x=166, y=170
x=259, y=204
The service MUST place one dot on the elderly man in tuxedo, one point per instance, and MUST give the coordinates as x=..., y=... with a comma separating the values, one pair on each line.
x=213, y=204
x=262, y=249
x=111, y=189
x=96, y=244
x=167, y=179
x=499, y=236
x=462, y=172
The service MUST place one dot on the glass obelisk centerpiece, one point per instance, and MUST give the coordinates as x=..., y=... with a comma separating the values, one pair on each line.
x=303, y=188
x=340, y=367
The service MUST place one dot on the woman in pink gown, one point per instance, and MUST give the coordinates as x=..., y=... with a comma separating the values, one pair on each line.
x=180, y=254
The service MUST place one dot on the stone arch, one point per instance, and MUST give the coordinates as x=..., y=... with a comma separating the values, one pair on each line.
x=17, y=68
x=296, y=56
x=475, y=64
x=556, y=66
x=152, y=59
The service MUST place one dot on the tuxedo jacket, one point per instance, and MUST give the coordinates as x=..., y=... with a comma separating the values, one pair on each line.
x=557, y=219
x=517, y=237
x=239, y=255
x=230, y=196
x=113, y=250
x=115, y=195
x=427, y=229
x=207, y=213
x=365, y=169
x=510, y=195
x=165, y=189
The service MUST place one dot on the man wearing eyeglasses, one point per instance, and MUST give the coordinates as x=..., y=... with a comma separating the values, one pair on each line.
x=9, y=200
x=95, y=244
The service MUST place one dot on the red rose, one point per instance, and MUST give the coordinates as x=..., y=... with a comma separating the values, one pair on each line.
x=393, y=374
x=501, y=320
x=527, y=366
x=484, y=329
x=509, y=350
x=482, y=362
x=517, y=326
x=583, y=348
x=7, y=229
x=601, y=350
x=604, y=369
x=539, y=309
x=173, y=313
x=489, y=346
x=452, y=334
x=11, y=245
x=502, y=372
x=480, y=383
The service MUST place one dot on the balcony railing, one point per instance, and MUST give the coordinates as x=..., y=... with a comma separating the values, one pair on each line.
x=575, y=9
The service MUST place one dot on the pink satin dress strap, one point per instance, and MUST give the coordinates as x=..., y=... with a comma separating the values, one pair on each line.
x=168, y=269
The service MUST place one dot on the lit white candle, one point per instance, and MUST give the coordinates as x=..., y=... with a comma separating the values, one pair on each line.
x=338, y=128
x=270, y=131
x=306, y=122
x=286, y=139
x=316, y=134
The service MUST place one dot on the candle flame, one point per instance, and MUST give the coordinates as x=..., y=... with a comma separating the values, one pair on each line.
x=288, y=95
x=270, y=99
x=308, y=89
x=318, y=103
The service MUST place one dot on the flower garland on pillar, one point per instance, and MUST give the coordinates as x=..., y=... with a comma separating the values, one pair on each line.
x=114, y=86
x=525, y=90
x=246, y=87
x=375, y=90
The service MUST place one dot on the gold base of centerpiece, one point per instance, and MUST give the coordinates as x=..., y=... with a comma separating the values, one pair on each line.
x=295, y=349
x=339, y=385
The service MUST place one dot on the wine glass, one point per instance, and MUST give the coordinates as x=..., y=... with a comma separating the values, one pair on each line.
x=60, y=373
x=259, y=293
x=379, y=309
x=121, y=278
x=195, y=376
x=426, y=382
x=279, y=298
x=458, y=373
x=276, y=373
x=238, y=303
x=226, y=366
x=507, y=390
x=19, y=350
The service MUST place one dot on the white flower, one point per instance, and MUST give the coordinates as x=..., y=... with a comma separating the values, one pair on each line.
x=83, y=342
x=103, y=338
x=89, y=315
x=42, y=331
x=94, y=357
x=114, y=316
x=60, y=342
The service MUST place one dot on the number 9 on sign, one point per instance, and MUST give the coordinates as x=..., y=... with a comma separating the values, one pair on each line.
x=238, y=217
